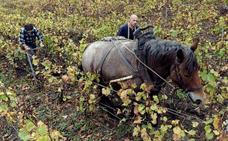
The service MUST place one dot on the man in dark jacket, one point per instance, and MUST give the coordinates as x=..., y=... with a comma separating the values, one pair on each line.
x=28, y=36
x=127, y=29
x=27, y=40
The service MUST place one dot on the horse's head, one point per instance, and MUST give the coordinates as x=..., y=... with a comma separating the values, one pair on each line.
x=184, y=73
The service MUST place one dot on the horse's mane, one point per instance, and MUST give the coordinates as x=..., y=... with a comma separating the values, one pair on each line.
x=164, y=52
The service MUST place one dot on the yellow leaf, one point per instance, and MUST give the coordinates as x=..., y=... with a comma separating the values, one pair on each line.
x=92, y=96
x=144, y=135
x=141, y=109
x=156, y=100
x=177, y=130
x=35, y=60
x=124, y=97
x=178, y=133
x=195, y=124
x=106, y=91
x=146, y=87
x=154, y=107
x=138, y=120
x=216, y=132
x=56, y=135
x=191, y=132
x=216, y=122
x=136, y=131
x=175, y=122
x=154, y=118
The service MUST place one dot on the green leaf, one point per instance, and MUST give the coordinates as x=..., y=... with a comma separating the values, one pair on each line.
x=155, y=98
x=3, y=107
x=214, y=73
x=136, y=131
x=173, y=33
x=192, y=132
x=47, y=64
x=164, y=97
x=43, y=138
x=164, y=118
x=42, y=130
x=23, y=135
x=204, y=75
x=208, y=121
x=164, y=128
x=209, y=136
x=29, y=126
x=141, y=109
x=139, y=96
x=222, y=52
x=154, y=118
x=211, y=79
x=195, y=124
x=154, y=107
x=3, y=97
x=220, y=98
x=207, y=128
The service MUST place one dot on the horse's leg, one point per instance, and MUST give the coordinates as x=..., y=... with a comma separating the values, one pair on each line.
x=113, y=102
x=108, y=103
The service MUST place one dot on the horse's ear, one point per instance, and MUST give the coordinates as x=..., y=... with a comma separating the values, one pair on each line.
x=195, y=44
x=180, y=56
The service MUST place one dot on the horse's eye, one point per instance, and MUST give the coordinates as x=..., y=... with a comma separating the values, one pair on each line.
x=187, y=75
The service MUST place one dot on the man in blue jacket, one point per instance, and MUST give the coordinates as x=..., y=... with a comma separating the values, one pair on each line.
x=27, y=40
x=28, y=36
x=126, y=30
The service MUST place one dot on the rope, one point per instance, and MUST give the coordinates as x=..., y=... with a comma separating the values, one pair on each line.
x=103, y=106
x=172, y=111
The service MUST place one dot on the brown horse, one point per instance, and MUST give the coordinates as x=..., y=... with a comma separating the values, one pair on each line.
x=113, y=58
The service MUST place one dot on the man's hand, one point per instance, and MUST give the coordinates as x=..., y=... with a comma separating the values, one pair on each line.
x=41, y=44
x=26, y=47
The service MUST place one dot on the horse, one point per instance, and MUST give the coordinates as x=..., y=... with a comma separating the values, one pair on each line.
x=113, y=58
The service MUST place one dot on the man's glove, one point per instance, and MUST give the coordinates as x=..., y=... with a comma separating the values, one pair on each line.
x=41, y=44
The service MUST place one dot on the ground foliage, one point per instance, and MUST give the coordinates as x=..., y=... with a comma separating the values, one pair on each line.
x=62, y=104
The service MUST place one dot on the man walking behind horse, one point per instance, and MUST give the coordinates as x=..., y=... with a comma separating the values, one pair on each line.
x=27, y=37
x=126, y=30
x=27, y=40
